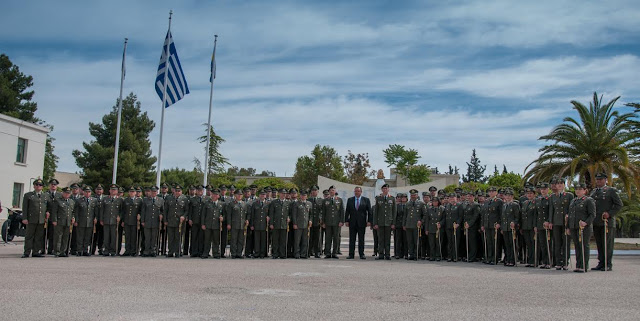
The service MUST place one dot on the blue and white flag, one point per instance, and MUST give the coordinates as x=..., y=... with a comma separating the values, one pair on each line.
x=213, y=65
x=176, y=83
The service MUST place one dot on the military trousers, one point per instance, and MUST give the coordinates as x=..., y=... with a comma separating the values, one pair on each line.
x=61, y=239
x=582, y=246
x=237, y=241
x=598, y=234
x=290, y=240
x=151, y=236
x=492, y=244
x=131, y=239
x=173, y=239
x=260, y=243
x=98, y=239
x=33, y=238
x=314, y=240
x=527, y=235
x=375, y=241
x=424, y=250
x=411, y=235
x=120, y=232
x=300, y=242
x=48, y=238
x=332, y=241
x=471, y=243
x=559, y=245
x=384, y=241
x=399, y=243
x=197, y=240
x=544, y=247
x=279, y=240
x=453, y=239
x=110, y=238
x=141, y=240
x=508, y=247
x=187, y=236
x=224, y=239
x=435, y=244
x=83, y=238
x=211, y=241
x=74, y=241
x=248, y=250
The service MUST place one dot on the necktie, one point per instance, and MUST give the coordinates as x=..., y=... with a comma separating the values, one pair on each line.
x=357, y=203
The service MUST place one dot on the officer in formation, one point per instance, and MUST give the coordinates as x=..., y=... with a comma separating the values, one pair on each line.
x=465, y=229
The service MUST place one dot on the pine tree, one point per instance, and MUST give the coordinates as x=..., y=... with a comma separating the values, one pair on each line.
x=475, y=171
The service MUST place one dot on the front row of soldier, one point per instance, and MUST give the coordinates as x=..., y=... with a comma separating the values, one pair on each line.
x=537, y=229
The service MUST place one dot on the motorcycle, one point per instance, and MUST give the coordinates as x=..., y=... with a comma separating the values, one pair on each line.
x=13, y=226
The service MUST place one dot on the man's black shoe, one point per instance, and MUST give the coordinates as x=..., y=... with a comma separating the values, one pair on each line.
x=327, y=256
x=26, y=256
x=38, y=255
x=350, y=257
x=387, y=258
x=597, y=268
x=379, y=258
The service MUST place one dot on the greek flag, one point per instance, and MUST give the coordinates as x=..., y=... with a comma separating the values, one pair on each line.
x=176, y=83
x=213, y=65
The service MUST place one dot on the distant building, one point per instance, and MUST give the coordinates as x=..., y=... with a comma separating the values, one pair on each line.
x=66, y=179
x=22, y=146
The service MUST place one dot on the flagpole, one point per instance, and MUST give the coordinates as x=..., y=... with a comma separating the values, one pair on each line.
x=164, y=101
x=206, y=153
x=117, y=147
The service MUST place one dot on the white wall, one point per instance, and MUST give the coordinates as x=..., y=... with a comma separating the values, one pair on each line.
x=10, y=171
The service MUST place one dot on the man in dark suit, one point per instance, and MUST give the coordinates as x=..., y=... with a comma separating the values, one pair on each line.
x=357, y=217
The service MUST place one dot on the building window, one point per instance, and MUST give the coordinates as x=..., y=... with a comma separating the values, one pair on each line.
x=21, y=155
x=17, y=194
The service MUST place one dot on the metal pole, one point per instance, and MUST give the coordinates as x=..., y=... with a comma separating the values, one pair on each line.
x=164, y=101
x=213, y=77
x=117, y=147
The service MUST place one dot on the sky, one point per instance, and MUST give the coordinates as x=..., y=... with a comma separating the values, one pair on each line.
x=439, y=77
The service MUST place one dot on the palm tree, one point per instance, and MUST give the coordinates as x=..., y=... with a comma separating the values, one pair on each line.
x=599, y=142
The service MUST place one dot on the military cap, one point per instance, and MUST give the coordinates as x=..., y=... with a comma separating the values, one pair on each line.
x=38, y=182
x=284, y=190
x=66, y=190
x=233, y=187
x=178, y=187
x=263, y=191
x=479, y=192
x=398, y=195
x=192, y=187
x=458, y=189
x=601, y=175
x=74, y=185
x=132, y=189
x=198, y=187
x=487, y=195
x=87, y=188
x=436, y=199
x=527, y=184
x=153, y=188
x=267, y=189
x=508, y=191
x=113, y=186
x=522, y=191
x=315, y=188
x=223, y=187
x=426, y=194
x=492, y=189
x=147, y=188
x=332, y=187
x=580, y=186
x=138, y=189
x=164, y=185
x=432, y=188
x=413, y=191
x=385, y=185
x=325, y=192
x=441, y=192
x=293, y=191
x=237, y=192
x=452, y=195
x=246, y=189
x=54, y=181
x=500, y=190
x=215, y=191
x=209, y=187
x=253, y=186
x=304, y=192
x=530, y=189
x=99, y=187
x=120, y=189
x=544, y=185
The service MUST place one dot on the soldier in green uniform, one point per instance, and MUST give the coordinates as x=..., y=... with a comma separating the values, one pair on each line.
x=560, y=201
x=98, y=236
x=316, y=212
x=582, y=212
x=211, y=219
x=34, y=217
x=482, y=242
x=490, y=220
x=194, y=215
x=332, y=220
x=509, y=223
x=453, y=219
x=53, y=194
x=399, y=237
x=62, y=212
x=424, y=251
x=528, y=214
x=130, y=215
x=224, y=240
x=384, y=218
x=151, y=219
x=434, y=221
x=542, y=228
x=608, y=204
x=86, y=215
x=109, y=219
x=235, y=214
x=471, y=217
x=300, y=217
x=75, y=194
x=176, y=207
x=413, y=217
x=278, y=221
x=258, y=214
x=248, y=199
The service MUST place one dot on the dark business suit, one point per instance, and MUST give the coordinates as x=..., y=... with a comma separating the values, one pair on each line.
x=357, y=219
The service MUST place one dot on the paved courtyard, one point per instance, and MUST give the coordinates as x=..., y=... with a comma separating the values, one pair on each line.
x=125, y=288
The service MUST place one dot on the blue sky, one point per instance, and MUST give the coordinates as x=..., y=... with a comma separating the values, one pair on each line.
x=442, y=78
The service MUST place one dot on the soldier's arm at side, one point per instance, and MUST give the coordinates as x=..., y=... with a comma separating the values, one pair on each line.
x=25, y=206
x=368, y=209
x=341, y=212
x=617, y=203
x=591, y=211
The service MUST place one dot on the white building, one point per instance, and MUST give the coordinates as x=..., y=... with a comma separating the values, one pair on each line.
x=22, y=149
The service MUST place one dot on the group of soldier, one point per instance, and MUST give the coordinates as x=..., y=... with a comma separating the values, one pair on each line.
x=492, y=227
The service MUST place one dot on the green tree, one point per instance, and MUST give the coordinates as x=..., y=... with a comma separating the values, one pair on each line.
x=181, y=176
x=324, y=161
x=406, y=163
x=475, y=171
x=357, y=168
x=510, y=180
x=216, y=160
x=598, y=141
x=135, y=163
x=235, y=171
x=468, y=186
x=273, y=182
x=452, y=170
x=15, y=101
